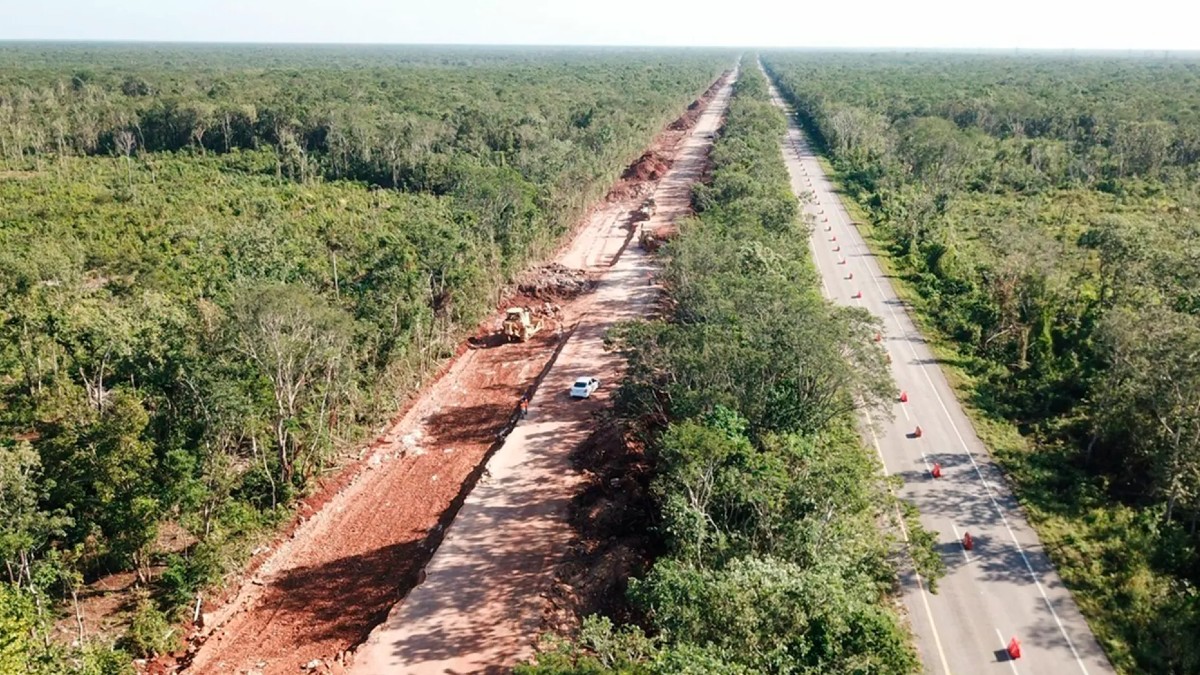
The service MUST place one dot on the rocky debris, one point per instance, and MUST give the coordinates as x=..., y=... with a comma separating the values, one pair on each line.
x=554, y=281
x=410, y=441
x=627, y=189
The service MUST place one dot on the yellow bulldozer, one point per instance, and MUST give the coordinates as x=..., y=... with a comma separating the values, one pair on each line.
x=520, y=324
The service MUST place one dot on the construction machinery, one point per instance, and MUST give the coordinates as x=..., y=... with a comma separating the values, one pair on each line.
x=520, y=324
x=645, y=211
x=650, y=241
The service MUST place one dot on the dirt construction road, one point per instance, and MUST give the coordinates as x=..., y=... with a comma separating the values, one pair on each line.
x=1006, y=586
x=479, y=607
x=362, y=541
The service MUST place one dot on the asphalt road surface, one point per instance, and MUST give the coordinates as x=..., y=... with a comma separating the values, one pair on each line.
x=1006, y=586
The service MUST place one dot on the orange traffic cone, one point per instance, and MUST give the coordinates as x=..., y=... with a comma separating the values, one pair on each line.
x=842, y=261
x=968, y=542
x=850, y=275
x=858, y=295
x=1014, y=648
x=937, y=468
x=838, y=247
x=917, y=432
x=904, y=397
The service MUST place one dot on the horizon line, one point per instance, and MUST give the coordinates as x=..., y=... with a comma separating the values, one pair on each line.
x=548, y=45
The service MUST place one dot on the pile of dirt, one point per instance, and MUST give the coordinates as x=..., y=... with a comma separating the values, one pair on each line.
x=554, y=282
x=628, y=189
x=636, y=181
x=613, y=518
x=689, y=118
x=651, y=166
x=638, y=178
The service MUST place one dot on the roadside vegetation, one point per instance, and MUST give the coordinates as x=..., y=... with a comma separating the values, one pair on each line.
x=1043, y=215
x=221, y=266
x=772, y=512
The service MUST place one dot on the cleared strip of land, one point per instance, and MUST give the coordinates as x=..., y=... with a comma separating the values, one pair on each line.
x=323, y=591
x=479, y=605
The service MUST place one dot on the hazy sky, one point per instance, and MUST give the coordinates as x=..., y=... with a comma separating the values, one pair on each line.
x=1083, y=24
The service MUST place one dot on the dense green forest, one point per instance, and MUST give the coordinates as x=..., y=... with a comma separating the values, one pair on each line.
x=220, y=265
x=770, y=506
x=1043, y=210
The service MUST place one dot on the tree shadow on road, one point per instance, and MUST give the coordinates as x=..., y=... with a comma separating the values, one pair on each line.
x=476, y=423
x=344, y=599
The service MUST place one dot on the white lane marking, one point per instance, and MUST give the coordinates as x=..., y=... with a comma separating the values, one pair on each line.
x=960, y=542
x=1004, y=646
x=812, y=246
x=937, y=640
x=875, y=440
x=925, y=461
x=860, y=245
x=1004, y=519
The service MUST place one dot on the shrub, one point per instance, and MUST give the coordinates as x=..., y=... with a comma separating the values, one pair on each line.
x=150, y=632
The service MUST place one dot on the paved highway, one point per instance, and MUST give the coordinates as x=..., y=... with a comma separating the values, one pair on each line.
x=1005, y=586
